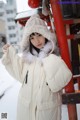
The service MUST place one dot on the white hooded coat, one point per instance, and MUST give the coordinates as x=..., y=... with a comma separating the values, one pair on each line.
x=42, y=76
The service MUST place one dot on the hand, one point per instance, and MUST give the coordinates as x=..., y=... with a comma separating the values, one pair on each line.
x=5, y=48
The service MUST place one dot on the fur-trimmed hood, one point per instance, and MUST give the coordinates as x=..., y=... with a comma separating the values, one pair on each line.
x=35, y=24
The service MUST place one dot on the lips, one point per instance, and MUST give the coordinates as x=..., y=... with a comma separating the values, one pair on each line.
x=39, y=44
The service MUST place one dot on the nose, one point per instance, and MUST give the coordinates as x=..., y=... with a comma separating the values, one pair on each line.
x=37, y=39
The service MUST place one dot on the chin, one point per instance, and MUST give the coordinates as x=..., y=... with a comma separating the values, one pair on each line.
x=39, y=47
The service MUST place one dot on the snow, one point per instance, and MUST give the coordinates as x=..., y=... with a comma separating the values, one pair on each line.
x=9, y=90
x=26, y=14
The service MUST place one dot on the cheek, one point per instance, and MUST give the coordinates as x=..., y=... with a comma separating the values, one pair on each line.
x=43, y=41
x=32, y=41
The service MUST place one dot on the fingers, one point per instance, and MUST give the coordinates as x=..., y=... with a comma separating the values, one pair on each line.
x=5, y=47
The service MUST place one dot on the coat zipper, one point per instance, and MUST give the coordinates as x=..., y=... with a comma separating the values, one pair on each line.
x=26, y=78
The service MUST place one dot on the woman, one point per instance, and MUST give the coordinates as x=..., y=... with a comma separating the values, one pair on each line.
x=42, y=73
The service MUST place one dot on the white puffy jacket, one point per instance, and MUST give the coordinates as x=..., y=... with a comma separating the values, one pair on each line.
x=39, y=96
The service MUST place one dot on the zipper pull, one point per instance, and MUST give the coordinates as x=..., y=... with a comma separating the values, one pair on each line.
x=26, y=77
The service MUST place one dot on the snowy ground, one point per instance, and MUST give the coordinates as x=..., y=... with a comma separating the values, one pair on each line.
x=9, y=89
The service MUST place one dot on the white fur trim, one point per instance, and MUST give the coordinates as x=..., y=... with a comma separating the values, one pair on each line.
x=28, y=57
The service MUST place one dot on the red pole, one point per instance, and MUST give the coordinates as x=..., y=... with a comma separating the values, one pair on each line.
x=62, y=40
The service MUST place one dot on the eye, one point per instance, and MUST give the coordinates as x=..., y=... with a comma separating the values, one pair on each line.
x=39, y=34
x=31, y=38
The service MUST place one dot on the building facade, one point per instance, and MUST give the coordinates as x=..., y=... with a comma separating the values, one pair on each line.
x=11, y=30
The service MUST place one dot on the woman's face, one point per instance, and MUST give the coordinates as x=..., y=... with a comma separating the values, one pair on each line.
x=37, y=40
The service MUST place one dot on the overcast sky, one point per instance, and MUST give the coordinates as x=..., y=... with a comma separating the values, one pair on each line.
x=22, y=5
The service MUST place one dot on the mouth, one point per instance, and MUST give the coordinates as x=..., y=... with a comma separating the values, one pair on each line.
x=39, y=45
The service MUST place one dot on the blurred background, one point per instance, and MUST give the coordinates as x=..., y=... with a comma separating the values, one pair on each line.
x=13, y=15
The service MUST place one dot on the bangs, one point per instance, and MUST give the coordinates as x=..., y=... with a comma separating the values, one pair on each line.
x=33, y=34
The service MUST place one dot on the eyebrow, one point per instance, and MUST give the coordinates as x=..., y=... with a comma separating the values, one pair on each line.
x=34, y=34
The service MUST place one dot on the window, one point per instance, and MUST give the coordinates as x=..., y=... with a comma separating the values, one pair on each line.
x=10, y=19
x=12, y=35
x=11, y=27
x=1, y=14
x=75, y=48
x=9, y=11
x=13, y=42
x=10, y=2
x=1, y=5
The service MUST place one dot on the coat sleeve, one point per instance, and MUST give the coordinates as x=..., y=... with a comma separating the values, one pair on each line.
x=57, y=73
x=13, y=63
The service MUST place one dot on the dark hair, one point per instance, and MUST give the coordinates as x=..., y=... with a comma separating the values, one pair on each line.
x=32, y=46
